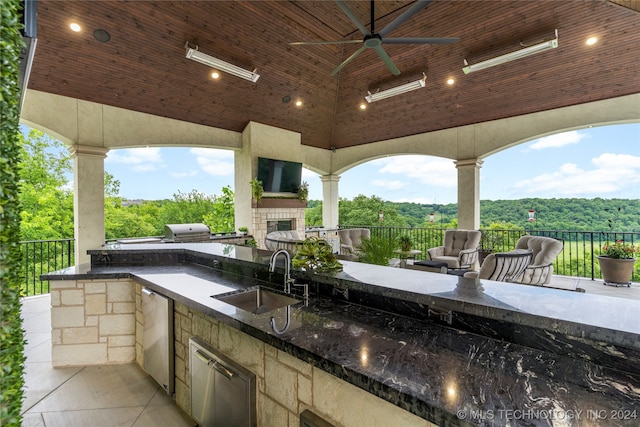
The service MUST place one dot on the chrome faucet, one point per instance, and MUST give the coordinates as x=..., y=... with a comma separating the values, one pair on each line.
x=287, y=268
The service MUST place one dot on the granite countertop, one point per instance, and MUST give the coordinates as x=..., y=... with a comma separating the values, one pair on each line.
x=443, y=374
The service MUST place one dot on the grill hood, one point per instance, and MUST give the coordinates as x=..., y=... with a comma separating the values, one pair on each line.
x=187, y=233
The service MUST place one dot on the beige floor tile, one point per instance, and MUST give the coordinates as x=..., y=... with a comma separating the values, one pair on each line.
x=163, y=415
x=101, y=387
x=33, y=420
x=93, y=417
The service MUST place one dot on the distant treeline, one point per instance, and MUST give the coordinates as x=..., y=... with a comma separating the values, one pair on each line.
x=550, y=214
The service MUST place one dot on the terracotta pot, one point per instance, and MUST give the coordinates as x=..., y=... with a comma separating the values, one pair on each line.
x=616, y=270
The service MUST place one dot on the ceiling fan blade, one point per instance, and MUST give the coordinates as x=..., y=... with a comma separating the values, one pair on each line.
x=387, y=60
x=333, y=42
x=352, y=16
x=349, y=59
x=415, y=8
x=422, y=40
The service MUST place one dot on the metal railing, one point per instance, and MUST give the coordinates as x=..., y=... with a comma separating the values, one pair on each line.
x=577, y=259
x=43, y=256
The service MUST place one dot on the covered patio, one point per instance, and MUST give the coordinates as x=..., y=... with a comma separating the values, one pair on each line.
x=123, y=80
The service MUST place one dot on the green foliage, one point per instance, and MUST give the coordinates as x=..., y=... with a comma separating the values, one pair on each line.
x=257, y=190
x=405, y=242
x=364, y=211
x=313, y=213
x=45, y=194
x=303, y=191
x=11, y=333
x=620, y=250
x=315, y=254
x=376, y=250
x=222, y=218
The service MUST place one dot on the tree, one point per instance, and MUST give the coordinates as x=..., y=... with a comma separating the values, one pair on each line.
x=45, y=194
x=222, y=219
x=187, y=208
x=365, y=211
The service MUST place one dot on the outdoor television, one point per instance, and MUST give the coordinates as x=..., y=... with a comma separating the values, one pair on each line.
x=279, y=176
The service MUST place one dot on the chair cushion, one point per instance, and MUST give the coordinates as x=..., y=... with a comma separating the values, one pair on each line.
x=350, y=238
x=457, y=240
x=545, y=249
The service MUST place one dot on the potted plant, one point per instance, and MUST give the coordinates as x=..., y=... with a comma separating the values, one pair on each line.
x=243, y=230
x=616, y=262
x=315, y=254
x=257, y=190
x=303, y=191
x=405, y=243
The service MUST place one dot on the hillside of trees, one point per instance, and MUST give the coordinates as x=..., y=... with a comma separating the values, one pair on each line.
x=47, y=202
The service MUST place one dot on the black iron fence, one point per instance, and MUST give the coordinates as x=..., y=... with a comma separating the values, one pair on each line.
x=43, y=256
x=578, y=258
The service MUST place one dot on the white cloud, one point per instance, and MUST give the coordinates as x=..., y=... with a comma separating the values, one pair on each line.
x=389, y=185
x=558, y=140
x=214, y=162
x=611, y=173
x=424, y=169
x=180, y=175
x=141, y=159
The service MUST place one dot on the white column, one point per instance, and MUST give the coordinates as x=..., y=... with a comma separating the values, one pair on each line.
x=88, y=199
x=469, y=193
x=330, y=200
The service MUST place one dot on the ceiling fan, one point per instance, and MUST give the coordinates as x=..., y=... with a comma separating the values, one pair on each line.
x=374, y=40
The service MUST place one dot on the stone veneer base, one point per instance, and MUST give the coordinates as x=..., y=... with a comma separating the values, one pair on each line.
x=92, y=322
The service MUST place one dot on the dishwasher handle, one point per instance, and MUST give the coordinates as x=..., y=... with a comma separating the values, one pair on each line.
x=214, y=364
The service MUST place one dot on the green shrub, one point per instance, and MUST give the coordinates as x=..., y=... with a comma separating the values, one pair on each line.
x=11, y=333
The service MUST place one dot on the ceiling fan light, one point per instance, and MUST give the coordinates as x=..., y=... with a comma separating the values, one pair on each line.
x=512, y=56
x=398, y=90
x=195, y=55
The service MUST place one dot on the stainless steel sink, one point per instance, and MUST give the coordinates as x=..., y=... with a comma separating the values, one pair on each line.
x=257, y=300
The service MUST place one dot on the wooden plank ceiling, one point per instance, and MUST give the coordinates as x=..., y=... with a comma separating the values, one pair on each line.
x=143, y=66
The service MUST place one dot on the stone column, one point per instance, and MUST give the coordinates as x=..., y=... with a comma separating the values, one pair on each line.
x=88, y=199
x=330, y=200
x=469, y=193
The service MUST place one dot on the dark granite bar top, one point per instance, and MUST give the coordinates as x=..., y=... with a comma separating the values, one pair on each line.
x=443, y=374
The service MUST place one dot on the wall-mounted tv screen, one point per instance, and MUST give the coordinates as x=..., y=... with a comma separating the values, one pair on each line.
x=279, y=176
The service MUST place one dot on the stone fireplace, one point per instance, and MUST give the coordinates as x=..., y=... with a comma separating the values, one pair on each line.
x=272, y=214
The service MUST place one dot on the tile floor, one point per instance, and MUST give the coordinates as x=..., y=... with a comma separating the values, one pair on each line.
x=96, y=396
x=123, y=395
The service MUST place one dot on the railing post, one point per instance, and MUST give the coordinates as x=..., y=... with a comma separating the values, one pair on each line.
x=593, y=258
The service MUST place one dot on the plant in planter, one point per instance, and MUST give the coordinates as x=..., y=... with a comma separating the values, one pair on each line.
x=251, y=242
x=405, y=243
x=375, y=250
x=315, y=254
x=243, y=230
x=303, y=191
x=616, y=262
x=257, y=190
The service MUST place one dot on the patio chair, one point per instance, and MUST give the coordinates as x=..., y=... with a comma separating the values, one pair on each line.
x=350, y=239
x=503, y=266
x=545, y=250
x=460, y=249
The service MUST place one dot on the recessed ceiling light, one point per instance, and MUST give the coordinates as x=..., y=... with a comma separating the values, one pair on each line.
x=363, y=106
x=215, y=75
x=286, y=99
x=591, y=41
x=298, y=103
x=451, y=81
x=75, y=27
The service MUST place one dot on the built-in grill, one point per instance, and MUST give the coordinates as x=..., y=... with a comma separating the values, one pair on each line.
x=186, y=233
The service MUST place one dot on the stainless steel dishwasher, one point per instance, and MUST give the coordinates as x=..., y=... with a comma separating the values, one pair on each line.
x=223, y=393
x=157, y=338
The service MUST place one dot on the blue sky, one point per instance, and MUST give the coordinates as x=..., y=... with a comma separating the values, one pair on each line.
x=595, y=162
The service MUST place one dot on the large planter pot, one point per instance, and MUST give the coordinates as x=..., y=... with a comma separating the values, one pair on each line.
x=616, y=271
